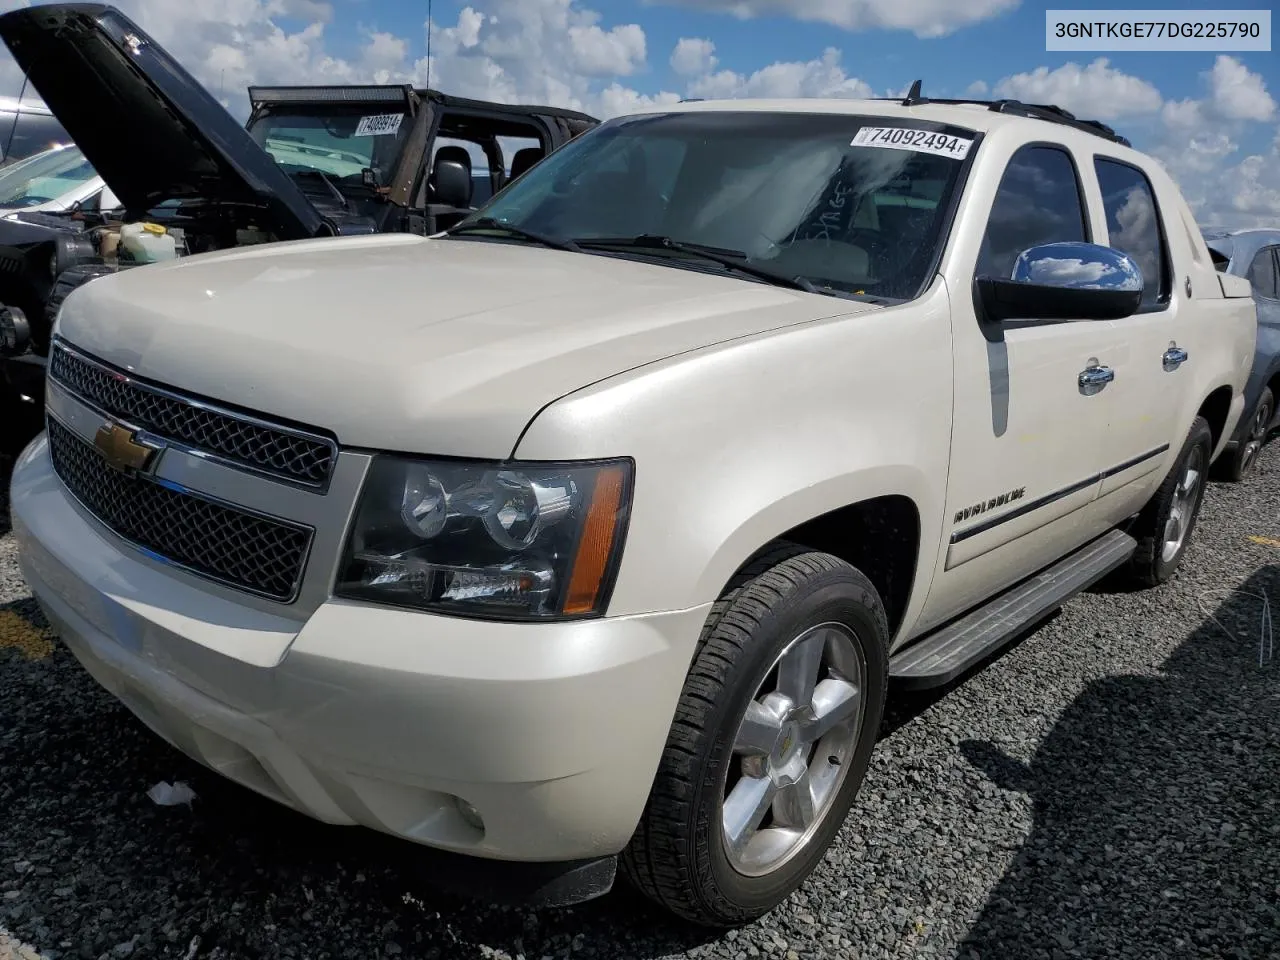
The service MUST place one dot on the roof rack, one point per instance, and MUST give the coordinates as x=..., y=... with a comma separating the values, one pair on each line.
x=1036, y=111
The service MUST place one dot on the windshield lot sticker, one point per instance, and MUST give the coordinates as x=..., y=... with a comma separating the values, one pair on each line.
x=921, y=141
x=381, y=125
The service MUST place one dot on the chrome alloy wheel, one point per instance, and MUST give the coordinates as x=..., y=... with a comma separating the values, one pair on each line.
x=793, y=748
x=1258, y=431
x=1182, y=509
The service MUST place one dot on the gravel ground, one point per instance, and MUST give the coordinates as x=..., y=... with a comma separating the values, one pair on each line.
x=1107, y=788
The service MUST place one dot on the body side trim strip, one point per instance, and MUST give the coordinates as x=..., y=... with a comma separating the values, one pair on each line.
x=960, y=536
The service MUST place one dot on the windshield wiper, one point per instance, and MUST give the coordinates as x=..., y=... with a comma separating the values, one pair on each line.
x=730, y=259
x=491, y=224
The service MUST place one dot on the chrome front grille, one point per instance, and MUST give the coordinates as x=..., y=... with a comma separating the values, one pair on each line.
x=215, y=540
x=238, y=439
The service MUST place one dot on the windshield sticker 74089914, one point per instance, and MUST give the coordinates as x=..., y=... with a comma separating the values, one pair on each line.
x=921, y=141
x=380, y=125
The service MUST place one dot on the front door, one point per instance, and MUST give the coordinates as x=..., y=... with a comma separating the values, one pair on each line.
x=1029, y=437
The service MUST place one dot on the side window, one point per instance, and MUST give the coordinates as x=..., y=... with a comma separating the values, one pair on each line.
x=1262, y=273
x=1133, y=224
x=520, y=153
x=1038, y=201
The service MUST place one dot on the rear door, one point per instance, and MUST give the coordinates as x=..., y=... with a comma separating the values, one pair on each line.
x=1157, y=347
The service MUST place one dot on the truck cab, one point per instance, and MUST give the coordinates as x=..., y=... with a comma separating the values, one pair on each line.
x=409, y=160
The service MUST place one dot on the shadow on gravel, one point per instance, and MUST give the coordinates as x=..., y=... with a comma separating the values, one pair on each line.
x=91, y=868
x=1157, y=810
x=6, y=468
x=906, y=705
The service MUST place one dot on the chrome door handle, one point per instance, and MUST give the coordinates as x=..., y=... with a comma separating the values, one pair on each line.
x=1096, y=376
x=1173, y=358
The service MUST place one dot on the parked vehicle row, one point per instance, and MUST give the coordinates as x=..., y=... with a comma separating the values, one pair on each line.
x=311, y=161
x=596, y=530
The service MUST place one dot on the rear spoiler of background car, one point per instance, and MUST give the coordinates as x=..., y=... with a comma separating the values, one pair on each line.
x=402, y=95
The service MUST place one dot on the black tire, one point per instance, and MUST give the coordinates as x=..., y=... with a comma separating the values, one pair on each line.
x=677, y=856
x=1238, y=463
x=1151, y=565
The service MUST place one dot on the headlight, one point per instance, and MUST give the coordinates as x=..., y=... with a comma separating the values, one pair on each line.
x=511, y=540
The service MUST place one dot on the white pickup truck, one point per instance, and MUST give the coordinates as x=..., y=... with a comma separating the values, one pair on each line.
x=597, y=530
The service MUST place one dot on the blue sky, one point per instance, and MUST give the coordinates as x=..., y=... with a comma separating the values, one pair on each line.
x=1212, y=118
x=1008, y=42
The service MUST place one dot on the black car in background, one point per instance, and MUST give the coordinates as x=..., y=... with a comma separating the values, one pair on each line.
x=312, y=161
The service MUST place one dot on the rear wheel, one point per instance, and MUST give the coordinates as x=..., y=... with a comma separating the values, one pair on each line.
x=771, y=739
x=1241, y=461
x=1164, y=527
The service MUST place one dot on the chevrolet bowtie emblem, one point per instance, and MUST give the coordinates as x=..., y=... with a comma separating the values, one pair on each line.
x=122, y=448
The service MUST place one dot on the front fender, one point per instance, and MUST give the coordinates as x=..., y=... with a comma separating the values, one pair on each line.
x=737, y=443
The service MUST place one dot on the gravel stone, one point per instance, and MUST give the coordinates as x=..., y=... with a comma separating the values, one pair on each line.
x=1106, y=788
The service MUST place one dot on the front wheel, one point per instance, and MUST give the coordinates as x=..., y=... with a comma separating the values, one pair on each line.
x=1241, y=461
x=771, y=739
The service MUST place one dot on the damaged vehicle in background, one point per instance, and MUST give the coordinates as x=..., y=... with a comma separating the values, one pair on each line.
x=312, y=161
x=1254, y=255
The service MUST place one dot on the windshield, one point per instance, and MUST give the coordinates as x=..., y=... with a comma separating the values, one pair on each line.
x=852, y=204
x=44, y=177
x=339, y=142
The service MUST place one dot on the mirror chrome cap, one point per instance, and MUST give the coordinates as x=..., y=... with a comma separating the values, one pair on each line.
x=1078, y=266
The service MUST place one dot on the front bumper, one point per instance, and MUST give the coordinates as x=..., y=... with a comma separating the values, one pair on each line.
x=369, y=715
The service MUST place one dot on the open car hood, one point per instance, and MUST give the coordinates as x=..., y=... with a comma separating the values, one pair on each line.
x=151, y=131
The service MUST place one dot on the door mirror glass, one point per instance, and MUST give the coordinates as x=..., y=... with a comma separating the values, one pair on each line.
x=1064, y=281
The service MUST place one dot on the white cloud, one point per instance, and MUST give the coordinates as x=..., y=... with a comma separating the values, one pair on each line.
x=1238, y=93
x=616, y=99
x=617, y=52
x=978, y=88
x=1096, y=91
x=824, y=77
x=692, y=57
x=533, y=51
x=383, y=54
x=926, y=18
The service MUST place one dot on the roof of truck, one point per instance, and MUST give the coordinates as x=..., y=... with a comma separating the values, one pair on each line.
x=984, y=116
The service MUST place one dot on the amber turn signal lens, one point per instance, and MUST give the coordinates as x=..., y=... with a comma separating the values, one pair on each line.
x=596, y=545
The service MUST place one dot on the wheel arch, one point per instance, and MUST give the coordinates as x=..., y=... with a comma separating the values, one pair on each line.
x=881, y=534
x=1216, y=410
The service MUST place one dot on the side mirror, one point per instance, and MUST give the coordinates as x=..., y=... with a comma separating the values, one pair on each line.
x=452, y=183
x=1062, y=281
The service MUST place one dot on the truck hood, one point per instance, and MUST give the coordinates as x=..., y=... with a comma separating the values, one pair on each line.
x=149, y=129
x=397, y=342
